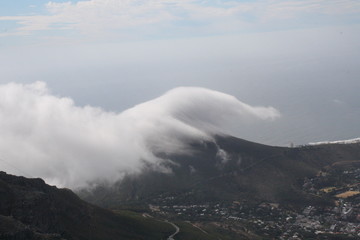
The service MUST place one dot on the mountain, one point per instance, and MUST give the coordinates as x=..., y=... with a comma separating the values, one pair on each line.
x=33, y=210
x=228, y=169
x=227, y=188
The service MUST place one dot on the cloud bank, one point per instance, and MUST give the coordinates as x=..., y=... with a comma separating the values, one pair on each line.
x=48, y=136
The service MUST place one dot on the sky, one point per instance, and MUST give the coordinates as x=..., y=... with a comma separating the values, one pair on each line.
x=298, y=59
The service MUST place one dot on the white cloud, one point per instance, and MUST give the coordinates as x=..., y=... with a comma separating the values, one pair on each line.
x=50, y=137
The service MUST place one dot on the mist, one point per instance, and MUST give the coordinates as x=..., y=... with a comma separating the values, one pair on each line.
x=49, y=136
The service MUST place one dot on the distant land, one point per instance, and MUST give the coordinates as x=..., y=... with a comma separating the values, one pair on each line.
x=348, y=141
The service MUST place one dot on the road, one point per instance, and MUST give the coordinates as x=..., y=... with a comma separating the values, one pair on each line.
x=177, y=230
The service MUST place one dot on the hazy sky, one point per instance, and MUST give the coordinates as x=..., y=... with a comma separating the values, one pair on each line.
x=300, y=57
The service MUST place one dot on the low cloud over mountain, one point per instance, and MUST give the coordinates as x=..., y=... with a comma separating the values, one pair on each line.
x=48, y=136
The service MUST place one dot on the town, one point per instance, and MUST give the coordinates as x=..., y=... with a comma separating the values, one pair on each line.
x=339, y=220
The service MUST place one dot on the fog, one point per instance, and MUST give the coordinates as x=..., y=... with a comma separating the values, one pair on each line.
x=49, y=136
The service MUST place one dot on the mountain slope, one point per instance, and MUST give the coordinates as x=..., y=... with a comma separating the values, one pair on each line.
x=228, y=169
x=30, y=209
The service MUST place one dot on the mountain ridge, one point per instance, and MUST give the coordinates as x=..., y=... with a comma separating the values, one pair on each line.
x=252, y=171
